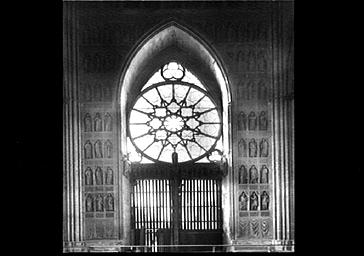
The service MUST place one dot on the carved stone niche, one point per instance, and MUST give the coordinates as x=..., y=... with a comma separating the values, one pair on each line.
x=253, y=148
x=97, y=123
x=98, y=149
x=262, y=90
x=242, y=148
x=252, y=121
x=87, y=123
x=254, y=201
x=108, y=149
x=264, y=175
x=263, y=121
x=264, y=201
x=109, y=176
x=242, y=121
x=88, y=176
x=263, y=148
x=99, y=176
x=253, y=175
x=88, y=150
x=243, y=202
x=243, y=175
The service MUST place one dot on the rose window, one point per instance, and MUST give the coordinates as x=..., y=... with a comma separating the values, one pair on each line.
x=174, y=114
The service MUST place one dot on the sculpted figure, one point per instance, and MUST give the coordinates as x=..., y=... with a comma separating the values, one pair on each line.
x=89, y=203
x=98, y=149
x=264, y=201
x=263, y=148
x=88, y=176
x=107, y=122
x=251, y=61
x=263, y=121
x=262, y=90
x=262, y=61
x=99, y=203
x=109, y=203
x=99, y=176
x=88, y=150
x=253, y=175
x=97, y=89
x=242, y=148
x=108, y=149
x=243, y=175
x=242, y=121
x=252, y=121
x=264, y=174
x=87, y=123
x=97, y=123
x=109, y=176
x=253, y=202
x=253, y=148
x=250, y=91
x=243, y=201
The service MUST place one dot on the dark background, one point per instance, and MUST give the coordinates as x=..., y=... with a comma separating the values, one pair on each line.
x=328, y=141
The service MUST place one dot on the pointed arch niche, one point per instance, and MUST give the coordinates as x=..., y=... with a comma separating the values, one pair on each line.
x=174, y=42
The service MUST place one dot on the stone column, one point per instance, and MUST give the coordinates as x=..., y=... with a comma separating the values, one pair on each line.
x=72, y=170
x=283, y=125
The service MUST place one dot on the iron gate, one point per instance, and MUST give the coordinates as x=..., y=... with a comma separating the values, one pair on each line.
x=170, y=209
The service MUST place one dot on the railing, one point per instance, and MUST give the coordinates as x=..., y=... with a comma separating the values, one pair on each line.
x=288, y=247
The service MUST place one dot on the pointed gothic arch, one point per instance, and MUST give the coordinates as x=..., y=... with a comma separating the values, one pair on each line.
x=172, y=41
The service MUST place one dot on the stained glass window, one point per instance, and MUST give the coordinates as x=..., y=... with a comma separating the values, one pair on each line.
x=174, y=113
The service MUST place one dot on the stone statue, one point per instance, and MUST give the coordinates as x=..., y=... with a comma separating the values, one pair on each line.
x=87, y=123
x=253, y=175
x=109, y=204
x=109, y=176
x=88, y=176
x=262, y=90
x=89, y=203
x=264, y=201
x=263, y=121
x=87, y=92
x=97, y=92
x=108, y=122
x=262, y=61
x=263, y=148
x=250, y=90
x=252, y=121
x=242, y=121
x=243, y=201
x=99, y=203
x=108, y=149
x=99, y=176
x=242, y=148
x=251, y=60
x=97, y=123
x=253, y=148
x=243, y=175
x=88, y=150
x=98, y=149
x=264, y=172
x=253, y=201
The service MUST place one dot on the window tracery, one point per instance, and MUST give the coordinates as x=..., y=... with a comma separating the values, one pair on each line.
x=175, y=114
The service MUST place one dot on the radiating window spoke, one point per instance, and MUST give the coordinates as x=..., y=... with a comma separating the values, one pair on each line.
x=174, y=116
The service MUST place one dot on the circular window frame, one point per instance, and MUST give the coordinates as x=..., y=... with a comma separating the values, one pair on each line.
x=176, y=82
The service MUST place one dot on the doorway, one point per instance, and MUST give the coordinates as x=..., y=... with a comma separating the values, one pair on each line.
x=176, y=208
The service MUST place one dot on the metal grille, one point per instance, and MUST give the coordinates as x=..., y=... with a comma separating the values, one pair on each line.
x=151, y=208
x=200, y=204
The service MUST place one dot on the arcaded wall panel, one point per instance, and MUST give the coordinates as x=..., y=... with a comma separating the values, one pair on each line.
x=248, y=39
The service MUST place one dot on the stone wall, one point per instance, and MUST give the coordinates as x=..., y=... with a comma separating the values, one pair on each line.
x=254, y=42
